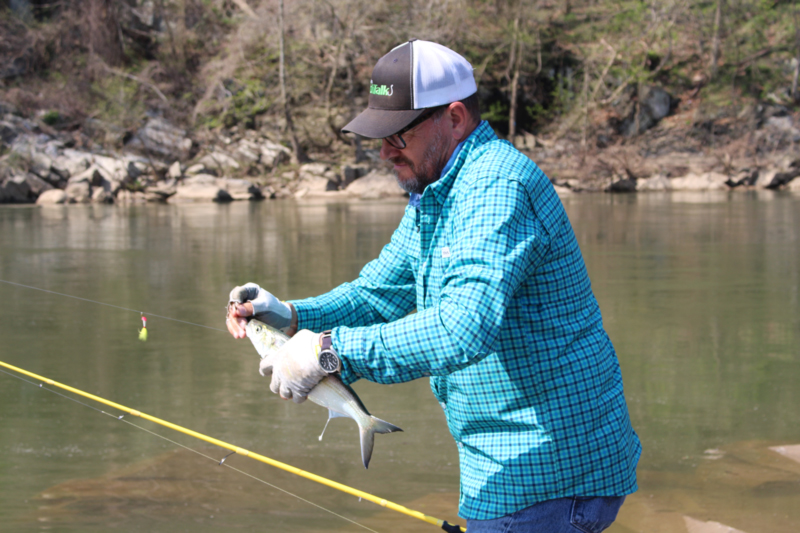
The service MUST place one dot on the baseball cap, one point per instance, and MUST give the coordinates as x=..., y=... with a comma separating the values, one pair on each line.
x=412, y=77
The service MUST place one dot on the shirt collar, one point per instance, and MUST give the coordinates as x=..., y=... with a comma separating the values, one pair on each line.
x=478, y=136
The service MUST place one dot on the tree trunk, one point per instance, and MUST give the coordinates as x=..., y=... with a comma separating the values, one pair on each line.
x=104, y=40
x=299, y=153
x=515, y=61
x=795, y=96
x=716, y=43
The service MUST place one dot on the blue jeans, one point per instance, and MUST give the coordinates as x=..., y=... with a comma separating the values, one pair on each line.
x=563, y=515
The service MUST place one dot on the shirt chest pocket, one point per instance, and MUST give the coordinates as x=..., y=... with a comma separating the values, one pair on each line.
x=440, y=257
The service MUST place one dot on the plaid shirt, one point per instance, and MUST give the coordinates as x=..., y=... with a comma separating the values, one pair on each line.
x=507, y=328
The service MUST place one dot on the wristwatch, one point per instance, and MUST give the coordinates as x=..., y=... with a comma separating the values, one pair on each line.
x=328, y=358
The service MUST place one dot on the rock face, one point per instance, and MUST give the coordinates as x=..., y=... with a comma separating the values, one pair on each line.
x=710, y=181
x=15, y=190
x=160, y=138
x=207, y=188
x=654, y=103
x=376, y=185
x=52, y=197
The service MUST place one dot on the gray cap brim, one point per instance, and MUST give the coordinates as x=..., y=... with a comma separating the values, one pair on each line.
x=379, y=123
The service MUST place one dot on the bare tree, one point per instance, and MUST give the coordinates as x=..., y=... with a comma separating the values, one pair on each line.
x=795, y=96
x=716, y=40
x=299, y=153
x=104, y=32
x=514, y=62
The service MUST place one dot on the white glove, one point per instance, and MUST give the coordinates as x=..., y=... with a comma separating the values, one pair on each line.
x=266, y=307
x=295, y=367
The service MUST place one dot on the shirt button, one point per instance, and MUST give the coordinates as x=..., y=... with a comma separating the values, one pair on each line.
x=460, y=444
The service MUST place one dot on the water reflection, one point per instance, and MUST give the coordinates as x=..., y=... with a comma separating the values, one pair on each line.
x=699, y=293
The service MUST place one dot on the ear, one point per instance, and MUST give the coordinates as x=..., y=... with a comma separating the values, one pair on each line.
x=460, y=119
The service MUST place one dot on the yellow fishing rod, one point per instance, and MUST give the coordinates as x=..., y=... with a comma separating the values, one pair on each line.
x=450, y=528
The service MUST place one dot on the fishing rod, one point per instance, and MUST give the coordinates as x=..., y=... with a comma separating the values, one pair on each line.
x=443, y=524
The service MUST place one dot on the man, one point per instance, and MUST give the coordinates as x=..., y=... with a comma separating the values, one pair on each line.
x=506, y=325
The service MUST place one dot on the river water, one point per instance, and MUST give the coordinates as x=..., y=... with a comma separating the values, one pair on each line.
x=699, y=294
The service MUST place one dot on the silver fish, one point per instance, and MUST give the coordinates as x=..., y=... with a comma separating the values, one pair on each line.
x=331, y=393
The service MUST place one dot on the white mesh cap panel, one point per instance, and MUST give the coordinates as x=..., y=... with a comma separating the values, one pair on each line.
x=440, y=75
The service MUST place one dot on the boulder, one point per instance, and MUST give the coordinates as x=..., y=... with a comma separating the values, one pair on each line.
x=15, y=190
x=240, y=189
x=112, y=169
x=351, y=173
x=709, y=181
x=273, y=154
x=40, y=163
x=781, y=179
x=375, y=185
x=794, y=185
x=744, y=177
x=765, y=178
x=37, y=185
x=783, y=126
x=102, y=196
x=161, y=138
x=200, y=179
x=654, y=104
x=220, y=162
x=659, y=182
x=622, y=185
x=248, y=152
x=136, y=169
x=93, y=175
x=199, y=193
x=162, y=190
x=562, y=191
x=198, y=169
x=313, y=170
x=79, y=192
x=174, y=171
x=71, y=163
x=131, y=197
x=7, y=132
x=310, y=187
x=52, y=197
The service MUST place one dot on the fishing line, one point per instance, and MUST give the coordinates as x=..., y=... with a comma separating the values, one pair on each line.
x=450, y=528
x=221, y=463
x=443, y=524
x=110, y=305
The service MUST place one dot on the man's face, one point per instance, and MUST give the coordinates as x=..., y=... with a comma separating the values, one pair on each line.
x=426, y=153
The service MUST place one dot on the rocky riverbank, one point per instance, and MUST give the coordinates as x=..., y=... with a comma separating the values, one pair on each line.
x=163, y=163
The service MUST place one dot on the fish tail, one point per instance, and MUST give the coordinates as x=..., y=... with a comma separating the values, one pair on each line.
x=376, y=425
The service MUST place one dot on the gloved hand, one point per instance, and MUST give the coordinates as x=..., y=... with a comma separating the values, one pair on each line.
x=295, y=367
x=262, y=305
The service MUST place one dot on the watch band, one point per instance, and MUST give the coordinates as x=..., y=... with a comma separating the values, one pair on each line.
x=326, y=342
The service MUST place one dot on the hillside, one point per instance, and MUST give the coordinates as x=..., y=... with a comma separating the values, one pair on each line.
x=602, y=94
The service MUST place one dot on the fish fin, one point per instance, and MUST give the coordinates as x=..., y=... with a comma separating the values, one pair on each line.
x=367, y=443
x=382, y=426
x=368, y=436
x=335, y=414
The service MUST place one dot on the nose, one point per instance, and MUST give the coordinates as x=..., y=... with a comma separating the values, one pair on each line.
x=387, y=150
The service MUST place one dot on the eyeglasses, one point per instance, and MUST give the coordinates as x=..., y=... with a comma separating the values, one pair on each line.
x=397, y=141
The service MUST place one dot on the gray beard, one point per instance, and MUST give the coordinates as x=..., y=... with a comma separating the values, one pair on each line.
x=430, y=168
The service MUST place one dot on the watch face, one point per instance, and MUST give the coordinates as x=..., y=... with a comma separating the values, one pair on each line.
x=329, y=362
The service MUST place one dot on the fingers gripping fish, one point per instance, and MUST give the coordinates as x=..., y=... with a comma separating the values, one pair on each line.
x=331, y=392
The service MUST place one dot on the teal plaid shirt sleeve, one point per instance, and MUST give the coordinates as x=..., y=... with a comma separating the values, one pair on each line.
x=494, y=254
